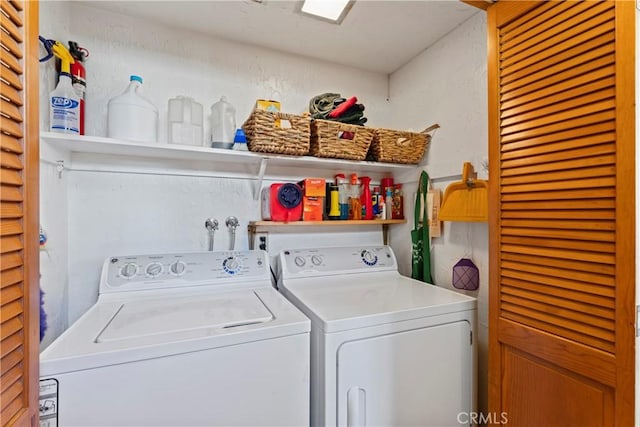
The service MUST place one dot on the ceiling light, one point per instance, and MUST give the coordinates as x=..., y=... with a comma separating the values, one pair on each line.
x=330, y=10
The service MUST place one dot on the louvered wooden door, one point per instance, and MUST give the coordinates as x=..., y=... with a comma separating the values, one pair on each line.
x=19, y=315
x=562, y=292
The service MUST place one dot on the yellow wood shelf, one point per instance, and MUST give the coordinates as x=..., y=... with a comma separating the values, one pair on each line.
x=255, y=226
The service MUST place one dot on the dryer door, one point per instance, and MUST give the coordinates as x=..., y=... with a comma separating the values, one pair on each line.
x=422, y=377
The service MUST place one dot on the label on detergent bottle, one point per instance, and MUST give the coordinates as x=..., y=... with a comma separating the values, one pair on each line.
x=64, y=114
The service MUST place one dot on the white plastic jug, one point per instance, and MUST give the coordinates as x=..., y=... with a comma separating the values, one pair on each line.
x=131, y=116
x=185, y=121
x=223, y=122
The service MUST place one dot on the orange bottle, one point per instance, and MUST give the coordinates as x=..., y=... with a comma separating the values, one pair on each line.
x=355, y=205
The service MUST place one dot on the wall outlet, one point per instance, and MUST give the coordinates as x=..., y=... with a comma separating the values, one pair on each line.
x=261, y=241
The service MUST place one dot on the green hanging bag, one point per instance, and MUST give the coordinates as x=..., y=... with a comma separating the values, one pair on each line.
x=421, y=247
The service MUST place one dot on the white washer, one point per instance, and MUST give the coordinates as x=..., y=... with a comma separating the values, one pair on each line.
x=386, y=350
x=181, y=339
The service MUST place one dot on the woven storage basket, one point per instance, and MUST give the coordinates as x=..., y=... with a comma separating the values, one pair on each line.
x=340, y=140
x=264, y=136
x=394, y=146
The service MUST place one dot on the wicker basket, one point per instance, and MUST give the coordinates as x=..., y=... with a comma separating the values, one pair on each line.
x=394, y=146
x=264, y=136
x=340, y=140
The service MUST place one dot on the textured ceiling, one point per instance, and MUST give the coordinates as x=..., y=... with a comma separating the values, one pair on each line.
x=377, y=36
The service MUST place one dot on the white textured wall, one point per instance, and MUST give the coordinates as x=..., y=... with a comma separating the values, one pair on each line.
x=55, y=25
x=179, y=62
x=447, y=84
x=116, y=213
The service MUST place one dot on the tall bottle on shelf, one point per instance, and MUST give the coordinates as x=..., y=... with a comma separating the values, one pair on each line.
x=367, y=206
x=343, y=195
x=377, y=206
x=355, y=204
x=334, y=202
x=223, y=123
x=185, y=121
x=388, y=203
x=398, y=202
x=131, y=116
x=64, y=103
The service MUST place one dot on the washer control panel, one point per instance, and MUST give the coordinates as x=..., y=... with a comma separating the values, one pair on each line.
x=136, y=272
x=302, y=262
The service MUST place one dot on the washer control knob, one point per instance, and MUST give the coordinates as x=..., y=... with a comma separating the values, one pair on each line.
x=231, y=265
x=369, y=258
x=316, y=260
x=178, y=268
x=128, y=270
x=154, y=269
x=300, y=262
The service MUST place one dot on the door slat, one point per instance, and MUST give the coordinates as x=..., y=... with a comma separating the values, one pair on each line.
x=540, y=114
x=569, y=78
x=11, y=94
x=10, y=277
x=10, y=260
x=594, y=338
x=568, y=300
x=548, y=37
x=527, y=132
x=10, y=110
x=598, y=155
x=10, y=177
x=11, y=77
x=10, y=360
x=536, y=61
x=560, y=117
x=600, y=279
x=561, y=312
x=11, y=334
x=10, y=210
x=583, y=136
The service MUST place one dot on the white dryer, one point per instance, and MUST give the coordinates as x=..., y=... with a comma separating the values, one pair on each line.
x=181, y=339
x=386, y=350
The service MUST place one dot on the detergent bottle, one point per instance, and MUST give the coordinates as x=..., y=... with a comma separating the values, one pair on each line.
x=131, y=116
x=64, y=103
x=223, y=122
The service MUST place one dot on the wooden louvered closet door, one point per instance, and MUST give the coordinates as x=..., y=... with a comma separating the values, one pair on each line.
x=562, y=292
x=19, y=314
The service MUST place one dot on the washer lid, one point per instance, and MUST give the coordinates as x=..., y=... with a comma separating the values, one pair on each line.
x=170, y=316
x=134, y=329
x=338, y=303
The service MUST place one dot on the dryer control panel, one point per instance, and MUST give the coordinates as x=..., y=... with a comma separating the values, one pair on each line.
x=140, y=272
x=326, y=261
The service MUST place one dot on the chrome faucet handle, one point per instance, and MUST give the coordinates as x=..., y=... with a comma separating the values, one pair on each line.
x=211, y=224
x=232, y=223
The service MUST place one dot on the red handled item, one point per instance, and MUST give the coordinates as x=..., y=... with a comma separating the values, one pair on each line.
x=340, y=109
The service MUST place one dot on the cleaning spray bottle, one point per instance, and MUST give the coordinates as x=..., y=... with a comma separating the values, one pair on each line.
x=365, y=198
x=64, y=106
